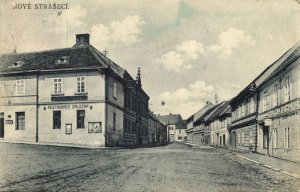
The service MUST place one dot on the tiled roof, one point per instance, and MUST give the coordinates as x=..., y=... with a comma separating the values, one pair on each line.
x=287, y=58
x=199, y=114
x=170, y=119
x=77, y=57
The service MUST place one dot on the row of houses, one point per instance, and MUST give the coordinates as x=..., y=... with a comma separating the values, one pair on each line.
x=74, y=96
x=264, y=117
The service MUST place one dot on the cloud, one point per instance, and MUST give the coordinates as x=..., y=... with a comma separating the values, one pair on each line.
x=181, y=58
x=184, y=100
x=229, y=40
x=118, y=33
x=73, y=17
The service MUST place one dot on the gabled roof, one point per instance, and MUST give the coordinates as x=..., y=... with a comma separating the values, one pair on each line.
x=170, y=119
x=214, y=112
x=287, y=58
x=202, y=111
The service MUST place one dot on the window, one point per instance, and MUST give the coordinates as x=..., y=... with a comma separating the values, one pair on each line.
x=275, y=96
x=275, y=135
x=287, y=138
x=80, y=84
x=252, y=105
x=20, y=87
x=250, y=136
x=287, y=89
x=179, y=131
x=265, y=101
x=20, y=120
x=80, y=118
x=57, y=86
x=114, y=121
x=115, y=90
x=56, y=119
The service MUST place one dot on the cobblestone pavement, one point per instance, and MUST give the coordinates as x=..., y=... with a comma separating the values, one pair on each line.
x=176, y=167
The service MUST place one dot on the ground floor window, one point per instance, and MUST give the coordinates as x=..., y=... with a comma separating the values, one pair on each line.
x=20, y=120
x=275, y=135
x=56, y=119
x=287, y=138
x=80, y=118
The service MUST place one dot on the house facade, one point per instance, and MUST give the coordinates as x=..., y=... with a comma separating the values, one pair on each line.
x=265, y=115
x=278, y=112
x=68, y=96
x=195, y=126
x=176, y=127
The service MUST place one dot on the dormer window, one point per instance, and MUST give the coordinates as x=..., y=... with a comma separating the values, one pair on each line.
x=62, y=60
x=18, y=64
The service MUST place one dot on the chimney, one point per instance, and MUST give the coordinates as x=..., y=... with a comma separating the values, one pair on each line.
x=83, y=38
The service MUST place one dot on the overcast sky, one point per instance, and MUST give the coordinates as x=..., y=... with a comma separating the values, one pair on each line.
x=188, y=50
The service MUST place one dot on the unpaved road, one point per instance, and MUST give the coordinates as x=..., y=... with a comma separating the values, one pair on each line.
x=176, y=167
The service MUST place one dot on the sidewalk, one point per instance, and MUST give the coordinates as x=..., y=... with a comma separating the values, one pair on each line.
x=284, y=166
x=287, y=167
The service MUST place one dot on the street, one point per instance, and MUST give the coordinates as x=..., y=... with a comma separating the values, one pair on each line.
x=175, y=167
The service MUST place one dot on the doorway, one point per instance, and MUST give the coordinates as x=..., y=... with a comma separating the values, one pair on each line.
x=1, y=125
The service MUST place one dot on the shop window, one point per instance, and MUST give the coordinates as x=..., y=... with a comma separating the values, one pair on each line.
x=56, y=119
x=20, y=120
x=57, y=86
x=20, y=87
x=80, y=118
x=114, y=121
x=80, y=84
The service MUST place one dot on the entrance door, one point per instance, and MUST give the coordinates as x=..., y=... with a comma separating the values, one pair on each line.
x=266, y=138
x=1, y=125
x=234, y=139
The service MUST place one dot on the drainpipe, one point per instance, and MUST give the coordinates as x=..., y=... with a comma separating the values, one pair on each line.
x=257, y=126
x=37, y=108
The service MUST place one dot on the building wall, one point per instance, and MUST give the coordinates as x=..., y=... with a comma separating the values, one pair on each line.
x=94, y=113
x=10, y=103
x=279, y=119
x=114, y=105
x=180, y=135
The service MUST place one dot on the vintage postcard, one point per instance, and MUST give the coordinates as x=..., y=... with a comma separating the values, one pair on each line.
x=149, y=95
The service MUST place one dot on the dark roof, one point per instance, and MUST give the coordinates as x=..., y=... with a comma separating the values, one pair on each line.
x=213, y=112
x=77, y=57
x=199, y=114
x=181, y=124
x=216, y=112
x=291, y=55
x=170, y=119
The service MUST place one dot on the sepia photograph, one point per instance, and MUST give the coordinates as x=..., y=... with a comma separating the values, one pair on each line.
x=149, y=95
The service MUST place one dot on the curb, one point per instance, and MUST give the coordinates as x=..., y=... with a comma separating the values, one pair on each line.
x=268, y=166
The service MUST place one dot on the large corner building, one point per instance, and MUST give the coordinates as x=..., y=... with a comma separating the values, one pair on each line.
x=71, y=96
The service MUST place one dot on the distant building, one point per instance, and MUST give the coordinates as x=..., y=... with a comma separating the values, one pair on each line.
x=71, y=96
x=176, y=127
x=195, y=133
x=219, y=121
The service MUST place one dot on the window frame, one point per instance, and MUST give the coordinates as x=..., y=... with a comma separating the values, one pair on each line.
x=114, y=121
x=54, y=120
x=80, y=120
x=82, y=79
x=55, y=91
x=20, y=83
x=115, y=90
x=18, y=114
